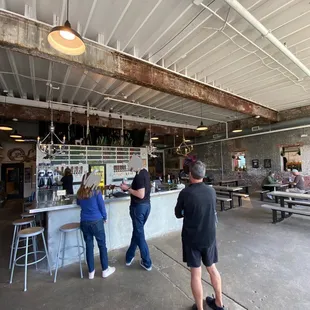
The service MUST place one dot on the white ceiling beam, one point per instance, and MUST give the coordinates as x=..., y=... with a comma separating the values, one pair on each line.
x=104, y=90
x=196, y=60
x=248, y=79
x=119, y=21
x=100, y=38
x=290, y=101
x=118, y=45
x=142, y=24
x=15, y=73
x=3, y=4
x=56, y=20
x=267, y=34
x=133, y=94
x=193, y=29
x=282, y=38
x=245, y=46
x=207, y=70
x=31, y=10
x=202, y=42
x=177, y=102
x=96, y=82
x=285, y=88
x=256, y=68
x=164, y=111
x=167, y=29
x=266, y=85
x=64, y=83
x=268, y=92
x=34, y=9
x=79, y=109
x=148, y=99
x=134, y=89
x=33, y=77
x=3, y=82
x=237, y=33
x=115, y=92
x=114, y=83
x=90, y=15
x=162, y=62
x=77, y=88
x=78, y=27
x=272, y=82
x=157, y=103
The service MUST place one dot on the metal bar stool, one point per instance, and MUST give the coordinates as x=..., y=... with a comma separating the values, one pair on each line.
x=27, y=214
x=18, y=225
x=26, y=234
x=37, y=216
x=64, y=229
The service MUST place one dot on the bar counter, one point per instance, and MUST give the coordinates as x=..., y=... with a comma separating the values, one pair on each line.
x=118, y=228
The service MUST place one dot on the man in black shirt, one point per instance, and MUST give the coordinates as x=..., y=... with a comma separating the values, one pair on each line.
x=140, y=208
x=197, y=204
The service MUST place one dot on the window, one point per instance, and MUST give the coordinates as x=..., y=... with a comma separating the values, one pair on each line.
x=238, y=161
x=291, y=158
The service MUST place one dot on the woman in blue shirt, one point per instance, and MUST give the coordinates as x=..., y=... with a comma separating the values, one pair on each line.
x=93, y=214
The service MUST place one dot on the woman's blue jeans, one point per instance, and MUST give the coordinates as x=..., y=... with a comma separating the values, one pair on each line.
x=91, y=230
x=139, y=214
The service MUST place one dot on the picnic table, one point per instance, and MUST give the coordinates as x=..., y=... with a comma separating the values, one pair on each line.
x=230, y=190
x=232, y=181
x=274, y=186
x=283, y=195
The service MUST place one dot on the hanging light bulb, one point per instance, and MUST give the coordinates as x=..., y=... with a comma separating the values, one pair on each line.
x=201, y=127
x=65, y=39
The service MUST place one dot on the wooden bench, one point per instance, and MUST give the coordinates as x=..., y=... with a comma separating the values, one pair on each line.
x=291, y=203
x=262, y=193
x=276, y=209
x=222, y=201
x=240, y=196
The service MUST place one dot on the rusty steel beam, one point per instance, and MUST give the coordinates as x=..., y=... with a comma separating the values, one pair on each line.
x=294, y=113
x=25, y=113
x=30, y=37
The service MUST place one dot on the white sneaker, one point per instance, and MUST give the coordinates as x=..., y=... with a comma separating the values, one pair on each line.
x=142, y=265
x=91, y=275
x=129, y=263
x=108, y=272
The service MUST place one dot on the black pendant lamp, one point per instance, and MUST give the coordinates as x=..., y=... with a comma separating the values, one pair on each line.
x=65, y=39
x=201, y=127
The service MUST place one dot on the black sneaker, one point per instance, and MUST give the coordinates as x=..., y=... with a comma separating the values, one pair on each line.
x=194, y=307
x=211, y=303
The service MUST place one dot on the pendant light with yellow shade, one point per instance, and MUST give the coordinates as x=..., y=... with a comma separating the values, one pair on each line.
x=65, y=39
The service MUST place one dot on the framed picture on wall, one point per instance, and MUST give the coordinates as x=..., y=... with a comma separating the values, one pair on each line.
x=255, y=163
x=267, y=163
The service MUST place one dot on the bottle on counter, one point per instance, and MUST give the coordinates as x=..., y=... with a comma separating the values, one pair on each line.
x=168, y=179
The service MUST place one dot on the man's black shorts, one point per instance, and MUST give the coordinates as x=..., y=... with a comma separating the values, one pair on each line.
x=194, y=255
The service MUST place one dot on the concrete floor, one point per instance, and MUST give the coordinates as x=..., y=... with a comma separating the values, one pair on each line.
x=264, y=266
